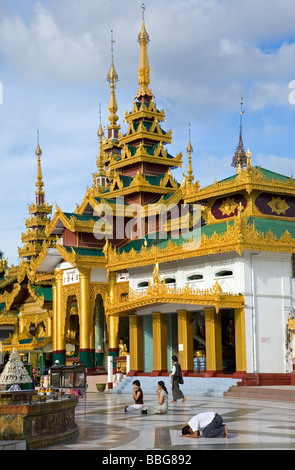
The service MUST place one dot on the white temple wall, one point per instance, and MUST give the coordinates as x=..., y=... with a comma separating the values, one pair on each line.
x=265, y=281
x=268, y=302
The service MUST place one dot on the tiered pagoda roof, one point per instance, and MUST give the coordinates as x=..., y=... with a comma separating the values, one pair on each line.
x=142, y=172
x=35, y=236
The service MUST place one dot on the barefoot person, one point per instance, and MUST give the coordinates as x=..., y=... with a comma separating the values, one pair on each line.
x=162, y=407
x=175, y=380
x=210, y=423
x=137, y=397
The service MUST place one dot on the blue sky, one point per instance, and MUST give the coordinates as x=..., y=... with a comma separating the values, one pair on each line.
x=204, y=55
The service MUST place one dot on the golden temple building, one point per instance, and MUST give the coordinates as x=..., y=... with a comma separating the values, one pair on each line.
x=161, y=266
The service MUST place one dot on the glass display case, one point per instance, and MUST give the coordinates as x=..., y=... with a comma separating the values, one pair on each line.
x=73, y=376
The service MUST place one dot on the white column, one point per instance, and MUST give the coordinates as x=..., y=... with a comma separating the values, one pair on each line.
x=110, y=372
x=127, y=363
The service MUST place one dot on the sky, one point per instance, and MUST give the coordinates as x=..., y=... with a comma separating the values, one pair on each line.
x=204, y=55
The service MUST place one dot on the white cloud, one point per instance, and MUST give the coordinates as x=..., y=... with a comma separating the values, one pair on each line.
x=278, y=164
x=41, y=51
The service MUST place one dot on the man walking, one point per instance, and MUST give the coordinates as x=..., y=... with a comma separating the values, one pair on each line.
x=176, y=379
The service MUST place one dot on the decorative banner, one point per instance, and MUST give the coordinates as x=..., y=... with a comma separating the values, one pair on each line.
x=277, y=205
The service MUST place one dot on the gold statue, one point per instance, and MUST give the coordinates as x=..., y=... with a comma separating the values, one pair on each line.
x=122, y=349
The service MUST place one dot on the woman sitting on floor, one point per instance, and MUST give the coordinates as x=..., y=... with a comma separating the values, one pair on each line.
x=162, y=407
x=137, y=397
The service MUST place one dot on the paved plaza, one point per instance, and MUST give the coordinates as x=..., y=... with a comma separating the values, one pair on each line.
x=252, y=425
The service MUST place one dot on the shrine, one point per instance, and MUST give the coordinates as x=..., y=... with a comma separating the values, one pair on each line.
x=149, y=266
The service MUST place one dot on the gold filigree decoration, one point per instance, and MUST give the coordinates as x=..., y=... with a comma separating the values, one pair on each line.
x=8, y=297
x=250, y=179
x=278, y=205
x=37, y=298
x=228, y=206
x=14, y=342
x=238, y=237
x=158, y=292
x=291, y=323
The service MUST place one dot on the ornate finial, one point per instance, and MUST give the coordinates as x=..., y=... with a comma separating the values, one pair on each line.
x=38, y=150
x=241, y=115
x=248, y=155
x=240, y=159
x=189, y=149
x=100, y=133
x=112, y=42
x=39, y=183
x=144, y=66
x=112, y=78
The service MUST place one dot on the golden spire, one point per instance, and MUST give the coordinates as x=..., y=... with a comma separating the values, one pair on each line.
x=39, y=183
x=189, y=150
x=144, y=66
x=112, y=78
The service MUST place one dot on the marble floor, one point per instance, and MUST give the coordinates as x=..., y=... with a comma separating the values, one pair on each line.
x=252, y=425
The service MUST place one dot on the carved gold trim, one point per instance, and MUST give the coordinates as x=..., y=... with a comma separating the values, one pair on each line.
x=238, y=237
x=278, y=205
x=8, y=297
x=291, y=323
x=249, y=180
x=157, y=293
x=37, y=298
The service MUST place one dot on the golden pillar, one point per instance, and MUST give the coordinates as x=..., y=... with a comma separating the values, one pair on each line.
x=54, y=316
x=113, y=320
x=113, y=331
x=240, y=340
x=136, y=344
x=59, y=341
x=49, y=326
x=86, y=352
x=21, y=323
x=213, y=340
x=159, y=343
x=112, y=287
x=185, y=340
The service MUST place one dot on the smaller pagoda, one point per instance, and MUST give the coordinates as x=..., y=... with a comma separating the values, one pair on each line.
x=34, y=238
x=15, y=373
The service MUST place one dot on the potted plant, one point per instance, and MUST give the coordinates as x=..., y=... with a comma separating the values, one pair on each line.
x=100, y=387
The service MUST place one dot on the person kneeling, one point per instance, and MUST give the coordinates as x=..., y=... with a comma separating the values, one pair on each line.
x=162, y=407
x=210, y=423
x=137, y=397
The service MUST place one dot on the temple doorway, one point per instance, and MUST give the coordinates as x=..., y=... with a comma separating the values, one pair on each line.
x=228, y=351
x=228, y=341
